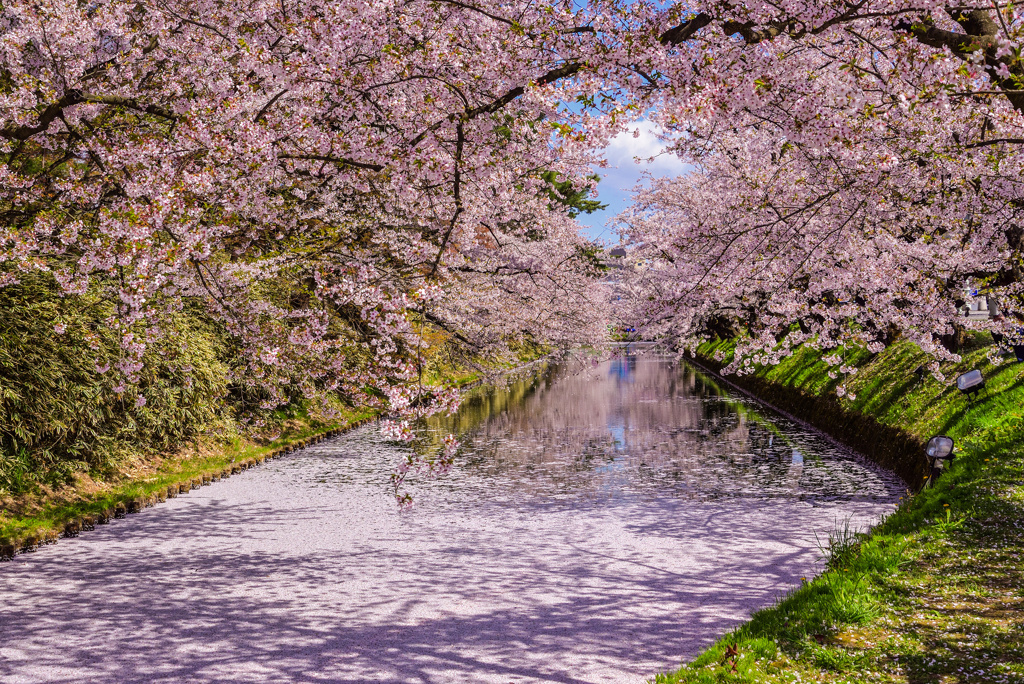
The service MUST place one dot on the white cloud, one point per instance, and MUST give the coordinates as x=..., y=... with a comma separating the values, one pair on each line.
x=641, y=148
x=629, y=155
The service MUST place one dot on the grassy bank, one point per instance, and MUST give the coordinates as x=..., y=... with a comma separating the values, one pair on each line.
x=935, y=593
x=86, y=427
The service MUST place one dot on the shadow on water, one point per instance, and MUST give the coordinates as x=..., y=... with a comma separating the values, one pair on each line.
x=603, y=523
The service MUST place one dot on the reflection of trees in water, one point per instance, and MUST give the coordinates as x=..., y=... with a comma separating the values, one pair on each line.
x=625, y=424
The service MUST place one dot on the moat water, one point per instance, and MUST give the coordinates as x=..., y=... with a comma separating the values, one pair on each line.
x=603, y=521
x=636, y=427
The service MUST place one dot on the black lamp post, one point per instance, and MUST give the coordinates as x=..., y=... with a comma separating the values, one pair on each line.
x=970, y=382
x=939, y=450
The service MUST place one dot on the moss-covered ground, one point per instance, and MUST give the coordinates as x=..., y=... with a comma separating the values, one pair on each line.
x=935, y=592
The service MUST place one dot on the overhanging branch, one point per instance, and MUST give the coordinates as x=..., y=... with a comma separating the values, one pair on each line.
x=76, y=97
x=564, y=71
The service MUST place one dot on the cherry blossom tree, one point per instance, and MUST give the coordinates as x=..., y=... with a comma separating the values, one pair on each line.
x=331, y=179
x=325, y=179
x=856, y=171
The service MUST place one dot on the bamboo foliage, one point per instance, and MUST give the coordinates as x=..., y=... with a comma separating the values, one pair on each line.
x=61, y=407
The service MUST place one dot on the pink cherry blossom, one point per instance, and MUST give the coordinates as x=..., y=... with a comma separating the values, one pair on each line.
x=856, y=174
x=336, y=199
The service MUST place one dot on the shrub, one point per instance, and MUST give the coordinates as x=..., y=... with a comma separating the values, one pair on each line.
x=61, y=406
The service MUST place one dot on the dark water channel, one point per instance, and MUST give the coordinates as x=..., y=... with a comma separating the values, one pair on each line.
x=603, y=522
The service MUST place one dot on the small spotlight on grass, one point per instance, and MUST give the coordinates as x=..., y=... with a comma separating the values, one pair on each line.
x=970, y=382
x=939, y=450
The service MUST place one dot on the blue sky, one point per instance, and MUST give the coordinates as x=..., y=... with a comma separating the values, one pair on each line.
x=624, y=173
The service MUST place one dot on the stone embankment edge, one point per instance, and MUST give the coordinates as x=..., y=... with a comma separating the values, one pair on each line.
x=85, y=523
x=886, y=446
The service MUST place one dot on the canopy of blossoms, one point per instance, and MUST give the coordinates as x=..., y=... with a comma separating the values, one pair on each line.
x=856, y=175
x=336, y=181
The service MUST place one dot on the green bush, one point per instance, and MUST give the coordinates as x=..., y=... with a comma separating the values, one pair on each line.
x=61, y=408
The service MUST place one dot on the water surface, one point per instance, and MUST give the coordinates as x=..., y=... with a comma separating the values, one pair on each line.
x=638, y=428
x=602, y=523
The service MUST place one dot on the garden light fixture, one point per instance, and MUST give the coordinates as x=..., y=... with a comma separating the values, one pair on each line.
x=940, y=447
x=970, y=382
x=939, y=450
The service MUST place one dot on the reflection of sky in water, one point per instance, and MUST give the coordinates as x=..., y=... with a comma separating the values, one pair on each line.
x=629, y=428
x=618, y=433
x=621, y=368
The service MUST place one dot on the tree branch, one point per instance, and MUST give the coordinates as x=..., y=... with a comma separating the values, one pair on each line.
x=128, y=103
x=46, y=117
x=446, y=327
x=960, y=44
x=267, y=106
x=996, y=141
x=683, y=32
x=75, y=97
x=564, y=71
x=334, y=160
x=457, y=195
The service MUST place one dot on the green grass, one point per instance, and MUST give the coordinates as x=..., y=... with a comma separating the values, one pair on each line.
x=935, y=593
